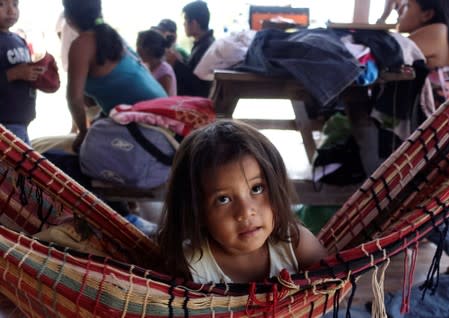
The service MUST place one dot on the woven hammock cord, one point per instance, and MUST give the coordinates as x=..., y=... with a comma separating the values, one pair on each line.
x=185, y=303
x=326, y=300
x=130, y=291
x=378, y=309
x=83, y=285
x=147, y=295
x=351, y=297
x=57, y=282
x=44, y=266
x=408, y=283
x=172, y=297
x=312, y=307
x=100, y=286
x=275, y=299
x=336, y=303
x=434, y=269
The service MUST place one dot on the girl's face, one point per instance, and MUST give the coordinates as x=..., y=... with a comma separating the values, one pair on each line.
x=239, y=217
x=9, y=14
x=412, y=17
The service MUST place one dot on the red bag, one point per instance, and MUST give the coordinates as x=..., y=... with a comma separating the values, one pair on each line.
x=48, y=81
x=189, y=112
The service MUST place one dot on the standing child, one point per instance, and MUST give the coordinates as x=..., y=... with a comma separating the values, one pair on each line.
x=227, y=215
x=151, y=47
x=17, y=96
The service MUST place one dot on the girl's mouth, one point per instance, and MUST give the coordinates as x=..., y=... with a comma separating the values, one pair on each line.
x=249, y=231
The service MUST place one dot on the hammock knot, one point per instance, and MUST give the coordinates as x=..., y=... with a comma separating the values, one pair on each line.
x=284, y=278
x=328, y=286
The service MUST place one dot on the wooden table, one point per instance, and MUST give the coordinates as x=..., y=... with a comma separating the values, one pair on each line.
x=230, y=86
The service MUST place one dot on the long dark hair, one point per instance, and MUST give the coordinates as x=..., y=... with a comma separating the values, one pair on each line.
x=200, y=153
x=153, y=43
x=87, y=15
x=440, y=8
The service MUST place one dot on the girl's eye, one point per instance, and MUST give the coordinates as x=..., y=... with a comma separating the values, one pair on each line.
x=223, y=200
x=257, y=189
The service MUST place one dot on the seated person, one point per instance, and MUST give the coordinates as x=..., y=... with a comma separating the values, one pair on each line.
x=427, y=23
x=169, y=29
x=234, y=222
x=196, y=16
x=101, y=66
x=151, y=46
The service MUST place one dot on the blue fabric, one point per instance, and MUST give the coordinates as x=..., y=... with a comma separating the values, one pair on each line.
x=354, y=312
x=20, y=131
x=128, y=83
x=369, y=75
x=432, y=306
x=315, y=57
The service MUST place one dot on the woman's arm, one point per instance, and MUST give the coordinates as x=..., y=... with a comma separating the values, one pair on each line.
x=390, y=5
x=309, y=249
x=81, y=57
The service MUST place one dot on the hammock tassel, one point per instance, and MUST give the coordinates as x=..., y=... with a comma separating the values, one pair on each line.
x=433, y=274
x=408, y=279
x=378, y=307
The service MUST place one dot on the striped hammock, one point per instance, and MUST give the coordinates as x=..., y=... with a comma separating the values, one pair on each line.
x=407, y=197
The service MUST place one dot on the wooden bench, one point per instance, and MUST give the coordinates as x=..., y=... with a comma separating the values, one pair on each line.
x=114, y=192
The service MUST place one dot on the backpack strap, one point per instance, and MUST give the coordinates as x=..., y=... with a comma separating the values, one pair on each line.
x=147, y=145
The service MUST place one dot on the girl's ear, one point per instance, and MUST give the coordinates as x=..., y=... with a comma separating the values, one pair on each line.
x=427, y=15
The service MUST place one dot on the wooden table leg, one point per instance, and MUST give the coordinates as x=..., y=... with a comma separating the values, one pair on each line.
x=305, y=126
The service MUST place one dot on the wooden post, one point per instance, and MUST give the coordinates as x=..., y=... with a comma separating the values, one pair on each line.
x=361, y=11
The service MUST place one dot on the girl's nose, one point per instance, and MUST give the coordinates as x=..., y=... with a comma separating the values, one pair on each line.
x=245, y=212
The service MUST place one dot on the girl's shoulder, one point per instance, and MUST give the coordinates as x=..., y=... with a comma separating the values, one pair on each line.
x=434, y=29
x=432, y=39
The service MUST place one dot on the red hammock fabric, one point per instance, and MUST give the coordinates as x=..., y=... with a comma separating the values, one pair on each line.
x=407, y=197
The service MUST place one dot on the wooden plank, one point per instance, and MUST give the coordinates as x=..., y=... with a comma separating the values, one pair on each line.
x=310, y=193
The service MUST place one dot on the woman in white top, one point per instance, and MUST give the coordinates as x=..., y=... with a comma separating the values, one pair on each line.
x=427, y=22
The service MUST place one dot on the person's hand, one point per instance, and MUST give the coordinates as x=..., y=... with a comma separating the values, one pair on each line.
x=171, y=56
x=78, y=141
x=390, y=5
x=25, y=72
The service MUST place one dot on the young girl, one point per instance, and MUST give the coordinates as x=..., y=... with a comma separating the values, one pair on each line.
x=227, y=215
x=151, y=46
x=427, y=23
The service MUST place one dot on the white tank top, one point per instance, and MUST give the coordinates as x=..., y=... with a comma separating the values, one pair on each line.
x=206, y=269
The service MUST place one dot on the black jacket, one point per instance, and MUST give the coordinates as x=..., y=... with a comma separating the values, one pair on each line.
x=188, y=83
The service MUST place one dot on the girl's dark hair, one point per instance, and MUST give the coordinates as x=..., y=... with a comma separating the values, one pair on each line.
x=86, y=15
x=440, y=9
x=152, y=42
x=198, y=155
